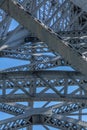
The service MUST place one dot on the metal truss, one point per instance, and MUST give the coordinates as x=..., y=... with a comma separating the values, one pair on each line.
x=12, y=108
x=50, y=33
x=35, y=116
x=57, y=88
x=54, y=41
x=44, y=57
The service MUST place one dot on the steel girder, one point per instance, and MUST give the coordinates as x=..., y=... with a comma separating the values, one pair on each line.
x=36, y=116
x=75, y=59
x=55, y=86
x=12, y=108
x=54, y=120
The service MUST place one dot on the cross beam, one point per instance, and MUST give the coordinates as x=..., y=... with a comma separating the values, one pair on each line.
x=45, y=34
x=12, y=108
x=41, y=116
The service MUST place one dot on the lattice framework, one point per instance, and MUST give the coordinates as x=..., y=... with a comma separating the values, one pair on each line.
x=65, y=23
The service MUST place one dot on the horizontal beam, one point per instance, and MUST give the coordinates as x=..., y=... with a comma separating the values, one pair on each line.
x=48, y=74
x=45, y=34
x=42, y=97
x=47, y=79
x=41, y=116
x=25, y=56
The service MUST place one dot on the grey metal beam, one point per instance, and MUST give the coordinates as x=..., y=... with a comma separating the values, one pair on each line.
x=24, y=52
x=25, y=55
x=20, y=121
x=12, y=108
x=47, y=79
x=45, y=34
x=46, y=127
x=41, y=116
x=68, y=108
x=53, y=80
x=80, y=3
x=15, y=38
x=45, y=73
x=32, y=116
x=62, y=122
x=4, y=21
x=38, y=7
x=43, y=97
x=58, y=9
x=73, y=34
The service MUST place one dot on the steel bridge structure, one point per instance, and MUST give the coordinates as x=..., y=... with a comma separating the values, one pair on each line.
x=51, y=89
